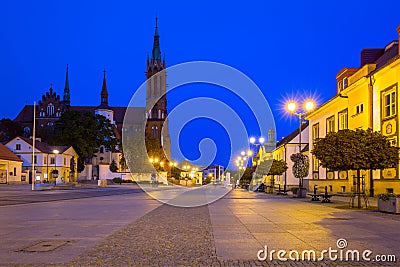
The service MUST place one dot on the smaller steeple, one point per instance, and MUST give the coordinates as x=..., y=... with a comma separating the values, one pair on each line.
x=156, y=44
x=67, y=97
x=104, y=93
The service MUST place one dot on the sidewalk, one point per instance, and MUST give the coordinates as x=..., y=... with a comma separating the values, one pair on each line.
x=133, y=230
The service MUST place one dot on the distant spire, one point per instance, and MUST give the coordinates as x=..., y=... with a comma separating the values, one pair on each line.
x=104, y=93
x=156, y=44
x=67, y=96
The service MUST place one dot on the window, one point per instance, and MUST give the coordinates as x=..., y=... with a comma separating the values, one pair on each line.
x=155, y=131
x=15, y=171
x=52, y=160
x=330, y=124
x=18, y=147
x=315, y=164
x=65, y=162
x=360, y=109
x=389, y=104
x=44, y=160
x=342, y=118
x=315, y=131
x=35, y=159
x=393, y=141
x=50, y=109
x=344, y=83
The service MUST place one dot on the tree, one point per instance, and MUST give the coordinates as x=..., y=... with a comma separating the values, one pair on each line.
x=9, y=129
x=122, y=163
x=247, y=176
x=300, y=167
x=356, y=150
x=278, y=167
x=85, y=132
x=113, y=166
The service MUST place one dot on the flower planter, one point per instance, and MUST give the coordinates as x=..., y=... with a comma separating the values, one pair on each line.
x=391, y=205
x=299, y=192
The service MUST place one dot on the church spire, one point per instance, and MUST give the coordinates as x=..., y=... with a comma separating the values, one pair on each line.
x=156, y=44
x=104, y=93
x=67, y=97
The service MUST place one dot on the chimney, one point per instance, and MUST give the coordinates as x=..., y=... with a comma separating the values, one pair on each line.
x=398, y=32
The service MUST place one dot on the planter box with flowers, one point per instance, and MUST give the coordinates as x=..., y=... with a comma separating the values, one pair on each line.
x=389, y=203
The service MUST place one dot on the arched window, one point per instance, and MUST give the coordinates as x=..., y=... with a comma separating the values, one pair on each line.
x=27, y=130
x=155, y=131
x=50, y=109
x=102, y=149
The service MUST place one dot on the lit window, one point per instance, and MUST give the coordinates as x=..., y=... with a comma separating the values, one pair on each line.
x=315, y=164
x=389, y=104
x=315, y=131
x=330, y=124
x=343, y=120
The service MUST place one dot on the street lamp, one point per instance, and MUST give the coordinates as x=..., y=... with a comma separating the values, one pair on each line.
x=240, y=163
x=186, y=169
x=55, y=173
x=256, y=142
x=291, y=106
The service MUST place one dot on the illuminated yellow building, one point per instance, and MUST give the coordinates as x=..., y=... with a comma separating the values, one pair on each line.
x=366, y=97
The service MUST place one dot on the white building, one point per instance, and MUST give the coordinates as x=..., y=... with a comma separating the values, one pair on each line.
x=51, y=162
x=284, y=149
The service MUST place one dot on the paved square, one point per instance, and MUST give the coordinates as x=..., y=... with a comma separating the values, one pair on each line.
x=132, y=229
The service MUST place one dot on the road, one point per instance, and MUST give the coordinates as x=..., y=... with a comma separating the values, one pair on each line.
x=16, y=197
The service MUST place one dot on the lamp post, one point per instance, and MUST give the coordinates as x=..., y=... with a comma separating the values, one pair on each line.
x=257, y=142
x=240, y=163
x=308, y=106
x=186, y=169
x=172, y=165
x=55, y=151
x=291, y=106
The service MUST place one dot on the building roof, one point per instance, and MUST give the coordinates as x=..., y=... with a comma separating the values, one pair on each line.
x=44, y=147
x=292, y=135
x=26, y=114
x=391, y=50
x=7, y=154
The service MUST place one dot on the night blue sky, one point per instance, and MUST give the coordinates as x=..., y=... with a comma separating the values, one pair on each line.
x=288, y=48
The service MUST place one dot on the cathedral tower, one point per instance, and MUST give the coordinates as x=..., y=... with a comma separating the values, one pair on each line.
x=156, y=100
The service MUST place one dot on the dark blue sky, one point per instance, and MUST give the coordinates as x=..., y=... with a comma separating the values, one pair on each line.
x=287, y=48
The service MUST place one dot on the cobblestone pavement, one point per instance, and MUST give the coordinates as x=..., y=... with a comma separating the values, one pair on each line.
x=167, y=236
x=171, y=236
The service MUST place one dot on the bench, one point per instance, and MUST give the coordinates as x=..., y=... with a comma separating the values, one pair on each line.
x=326, y=198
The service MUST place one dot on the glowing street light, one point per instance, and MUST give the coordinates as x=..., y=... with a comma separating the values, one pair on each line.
x=291, y=106
x=55, y=172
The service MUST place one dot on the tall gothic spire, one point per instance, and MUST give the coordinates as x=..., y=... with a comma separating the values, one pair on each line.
x=67, y=96
x=156, y=44
x=104, y=93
